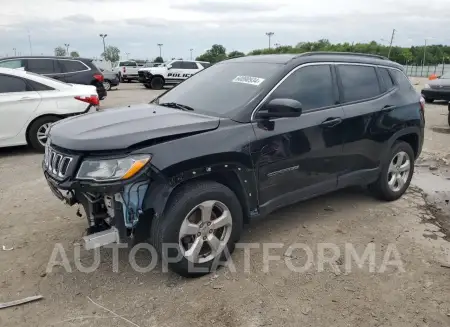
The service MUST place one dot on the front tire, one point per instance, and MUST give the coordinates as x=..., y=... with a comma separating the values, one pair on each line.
x=396, y=173
x=37, y=133
x=157, y=83
x=202, y=220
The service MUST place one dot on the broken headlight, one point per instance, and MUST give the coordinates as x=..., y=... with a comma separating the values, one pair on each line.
x=112, y=169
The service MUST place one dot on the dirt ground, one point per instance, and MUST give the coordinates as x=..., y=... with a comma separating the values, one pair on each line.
x=32, y=221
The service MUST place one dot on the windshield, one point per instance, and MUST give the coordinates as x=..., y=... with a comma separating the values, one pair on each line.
x=222, y=88
x=445, y=76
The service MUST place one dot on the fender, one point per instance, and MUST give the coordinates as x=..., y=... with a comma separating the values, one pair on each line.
x=239, y=178
x=405, y=131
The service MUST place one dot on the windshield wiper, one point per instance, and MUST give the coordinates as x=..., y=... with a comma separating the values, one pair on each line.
x=176, y=106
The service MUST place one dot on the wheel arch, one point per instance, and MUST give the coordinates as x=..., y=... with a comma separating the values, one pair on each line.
x=234, y=175
x=27, y=137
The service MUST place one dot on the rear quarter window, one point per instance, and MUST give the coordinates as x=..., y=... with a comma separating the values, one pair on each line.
x=72, y=66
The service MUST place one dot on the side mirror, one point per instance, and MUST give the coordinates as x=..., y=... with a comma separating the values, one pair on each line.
x=280, y=108
x=169, y=67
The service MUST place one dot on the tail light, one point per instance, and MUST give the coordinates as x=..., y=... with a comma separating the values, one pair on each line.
x=124, y=69
x=422, y=104
x=93, y=99
x=99, y=77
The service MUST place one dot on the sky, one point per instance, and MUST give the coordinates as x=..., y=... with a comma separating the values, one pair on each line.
x=137, y=26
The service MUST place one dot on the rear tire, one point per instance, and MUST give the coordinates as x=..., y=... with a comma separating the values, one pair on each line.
x=107, y=85
x=37, y=132
x=396, y=173
x=157, y=83
x=192, y=201
x=428, y=100
x=448, y=118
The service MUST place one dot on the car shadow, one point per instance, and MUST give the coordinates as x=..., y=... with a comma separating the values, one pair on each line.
x=17, y=151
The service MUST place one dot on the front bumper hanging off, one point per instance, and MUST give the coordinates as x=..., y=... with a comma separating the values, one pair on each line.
x=112, y=210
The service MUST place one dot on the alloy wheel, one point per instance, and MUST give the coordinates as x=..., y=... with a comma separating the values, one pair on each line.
x=42, y=133
x=205, y=231
x=398, y=171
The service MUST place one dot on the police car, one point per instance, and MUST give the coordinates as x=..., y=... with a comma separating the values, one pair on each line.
x=169, y=73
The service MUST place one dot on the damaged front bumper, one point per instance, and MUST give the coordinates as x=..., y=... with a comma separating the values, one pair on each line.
x=113, y=209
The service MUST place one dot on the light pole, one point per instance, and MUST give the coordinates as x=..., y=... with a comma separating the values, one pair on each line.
x=160, y=46
x=191, y=52
x=270, y=34
x=424, y=55
x=390, y=44
x=15, y=52
x=128, y=54
x=29, y=42
x=67, y=48
x=103, y=36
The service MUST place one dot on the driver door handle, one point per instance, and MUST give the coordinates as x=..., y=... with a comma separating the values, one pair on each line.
x=331, y=122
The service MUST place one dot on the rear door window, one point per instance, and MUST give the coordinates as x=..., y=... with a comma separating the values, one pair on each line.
x=358, y=82
x=43, y=66
x=72, y=66
x=12, y=84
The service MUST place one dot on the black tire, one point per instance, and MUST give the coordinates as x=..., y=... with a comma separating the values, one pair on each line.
x=147, y=86
x=35, y=126
x=428, y=100
x=381, y=188
x=448, y=118
x=121, y=80
x=165, y=228
x=157, y=83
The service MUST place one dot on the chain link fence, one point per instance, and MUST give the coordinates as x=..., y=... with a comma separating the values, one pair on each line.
x=426, y=71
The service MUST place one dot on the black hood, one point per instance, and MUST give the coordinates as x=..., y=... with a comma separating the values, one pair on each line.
x=121, y=128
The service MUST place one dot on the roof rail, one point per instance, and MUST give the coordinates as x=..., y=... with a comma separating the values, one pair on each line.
x=344, y=54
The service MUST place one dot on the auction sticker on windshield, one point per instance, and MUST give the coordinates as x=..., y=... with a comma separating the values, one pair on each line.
x=248, y=80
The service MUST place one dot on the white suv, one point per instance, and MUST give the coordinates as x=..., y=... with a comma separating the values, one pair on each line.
x=172, y=72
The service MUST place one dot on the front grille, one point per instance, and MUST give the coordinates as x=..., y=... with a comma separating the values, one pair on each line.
x=57, y=164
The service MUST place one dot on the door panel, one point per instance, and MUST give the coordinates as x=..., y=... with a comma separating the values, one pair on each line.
x=364, y=107
x=16, y=109
x=298, y=154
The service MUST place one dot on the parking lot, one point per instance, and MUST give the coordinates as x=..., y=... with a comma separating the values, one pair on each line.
x=32, y=221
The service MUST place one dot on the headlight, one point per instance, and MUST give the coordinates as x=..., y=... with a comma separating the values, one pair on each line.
x=427, y=86
x=112, y=169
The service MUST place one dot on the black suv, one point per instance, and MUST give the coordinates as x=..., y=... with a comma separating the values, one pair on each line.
x=234, y=142
x=65, y=69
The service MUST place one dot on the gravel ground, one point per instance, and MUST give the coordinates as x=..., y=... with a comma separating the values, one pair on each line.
x=414, y=291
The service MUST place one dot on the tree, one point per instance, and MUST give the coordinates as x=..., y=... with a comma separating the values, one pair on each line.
x=159, y=59
x=60, y=51
x=111, y=54
x=215, y=54
x=236, y=54
x=74, y=54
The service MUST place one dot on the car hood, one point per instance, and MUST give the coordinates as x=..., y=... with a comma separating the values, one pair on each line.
x=443, y=82
x=121, y=128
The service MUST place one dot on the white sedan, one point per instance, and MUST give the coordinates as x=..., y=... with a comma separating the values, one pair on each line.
x=30, y=103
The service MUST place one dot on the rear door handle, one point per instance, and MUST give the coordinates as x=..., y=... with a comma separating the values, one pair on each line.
x=331, y=122
x=388, y=107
